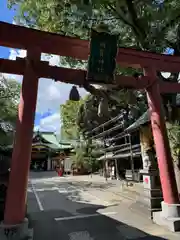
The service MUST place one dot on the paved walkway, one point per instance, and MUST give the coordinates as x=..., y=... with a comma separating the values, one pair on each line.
x=85, y=208
x=132, y=191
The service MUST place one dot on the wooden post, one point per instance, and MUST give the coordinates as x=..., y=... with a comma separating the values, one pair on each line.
x=165, y=162
x=16, y=196
x=131, y=157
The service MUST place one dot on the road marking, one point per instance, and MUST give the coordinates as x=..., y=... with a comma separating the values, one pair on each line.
x=85, y=216
x=63, y=190
x=46, y=189
x=37, y=197
x=47, y=180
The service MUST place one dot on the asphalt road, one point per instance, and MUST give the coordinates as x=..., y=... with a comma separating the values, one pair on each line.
x=59, y=210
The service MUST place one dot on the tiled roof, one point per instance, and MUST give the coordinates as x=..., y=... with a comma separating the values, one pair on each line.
x=52, y=141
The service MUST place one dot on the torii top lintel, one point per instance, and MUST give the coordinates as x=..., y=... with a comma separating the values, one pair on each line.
x=14, y=36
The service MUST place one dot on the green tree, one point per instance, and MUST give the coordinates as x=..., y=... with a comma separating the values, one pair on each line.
x=141, y=24
x=125, y=102
x=69, y=115
x=9, y=98
x=174, y=139
x=85, y=157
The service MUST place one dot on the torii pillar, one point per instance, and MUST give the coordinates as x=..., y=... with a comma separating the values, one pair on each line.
x=15, y=209
x=170, y=215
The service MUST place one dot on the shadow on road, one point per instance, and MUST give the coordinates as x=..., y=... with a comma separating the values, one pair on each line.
x=75, y=219
x=98, y=227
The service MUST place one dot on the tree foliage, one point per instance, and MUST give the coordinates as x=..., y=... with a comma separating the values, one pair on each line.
x=141, y=24
x=69, y=115
x=129, y=103
x=152, y=25
x=174, y=139
x=85, y=158
x=9, y=98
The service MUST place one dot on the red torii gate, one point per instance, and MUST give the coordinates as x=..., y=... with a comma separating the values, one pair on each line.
x=32, y=68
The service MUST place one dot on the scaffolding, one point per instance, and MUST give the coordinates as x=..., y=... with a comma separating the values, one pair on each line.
x=115, y=151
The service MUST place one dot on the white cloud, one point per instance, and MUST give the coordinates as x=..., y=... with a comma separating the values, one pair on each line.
x=53, y=92
x=16, y=53
x=166, y=74
x=49, y=119
x=50, y=123
x=50, y=94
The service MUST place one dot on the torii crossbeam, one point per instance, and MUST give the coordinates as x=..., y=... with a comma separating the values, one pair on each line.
x=36, y=42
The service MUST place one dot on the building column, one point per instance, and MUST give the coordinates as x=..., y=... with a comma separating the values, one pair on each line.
x=16, y=195
x=170, y=206
x=49, y=165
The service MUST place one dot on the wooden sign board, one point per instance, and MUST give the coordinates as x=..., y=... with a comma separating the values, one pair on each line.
x=102, y=59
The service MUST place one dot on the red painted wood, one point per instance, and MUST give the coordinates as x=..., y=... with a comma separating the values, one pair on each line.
x=67, y=75
x=76, y=76
x=22, y=37
x=166, y=87
x=20, y=163
x=165, y=162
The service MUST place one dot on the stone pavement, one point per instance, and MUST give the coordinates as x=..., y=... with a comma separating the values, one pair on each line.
x=81, y=208
x=116, y=192
x=132, y=191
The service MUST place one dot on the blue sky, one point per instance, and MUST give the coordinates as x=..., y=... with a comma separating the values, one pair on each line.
x=7, y=15
x=50, y=93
